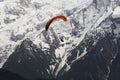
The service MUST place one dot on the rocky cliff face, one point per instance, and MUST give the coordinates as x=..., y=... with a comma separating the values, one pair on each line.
x=29, y=61
x=96, y=64
x=94, y=58
x=5, y=75
x=90, y=50
x=114, y=69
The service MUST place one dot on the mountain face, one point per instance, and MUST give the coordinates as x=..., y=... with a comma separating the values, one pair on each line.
x=6, y=75
x=114, y=70
x=90, y=47
x=30, y=61
x=96, y=64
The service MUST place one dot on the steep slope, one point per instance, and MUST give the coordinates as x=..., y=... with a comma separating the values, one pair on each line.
x=6, y=75
x=114, y=70
x=96, y=64
x=29, y=61
x=89, y=39
x=21, y=19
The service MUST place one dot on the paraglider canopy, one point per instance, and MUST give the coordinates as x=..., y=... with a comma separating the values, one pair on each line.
x=53, y=19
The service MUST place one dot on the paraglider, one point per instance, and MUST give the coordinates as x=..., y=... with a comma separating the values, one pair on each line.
x=53, y=19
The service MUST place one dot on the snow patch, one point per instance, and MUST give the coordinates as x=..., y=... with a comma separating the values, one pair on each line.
x=116, y=13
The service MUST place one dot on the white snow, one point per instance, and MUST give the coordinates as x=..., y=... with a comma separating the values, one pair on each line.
x=26, y=23
x=116, y=13
x=81, y=55
x=31, y=18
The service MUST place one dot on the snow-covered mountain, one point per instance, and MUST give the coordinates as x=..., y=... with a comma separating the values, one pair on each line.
x=91, y=37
